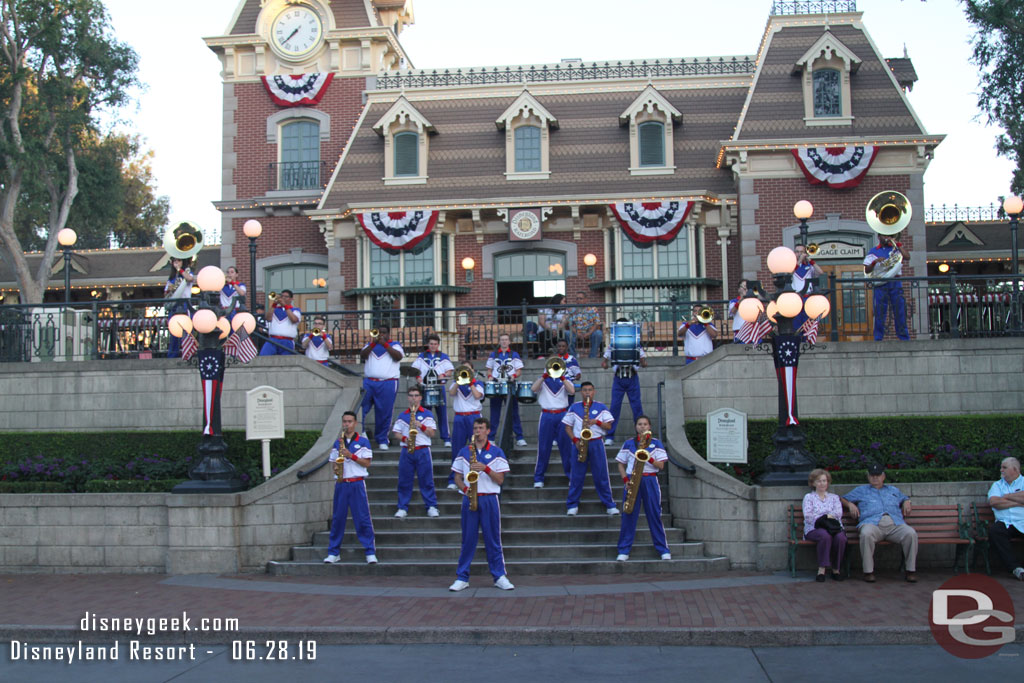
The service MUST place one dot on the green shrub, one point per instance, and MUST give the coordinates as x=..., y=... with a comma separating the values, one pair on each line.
x=130, y=485
x=910, y=476
x=32, y=487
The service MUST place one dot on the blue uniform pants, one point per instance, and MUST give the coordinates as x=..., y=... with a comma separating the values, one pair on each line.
x=552, y=429
x=629, y=387
x=648, y=498
x=273, y=347
x=416, y=464
x=351, y=495
x=496, y=403
x=486, y=519
x=462, y=429
x=380, y=396
x=886, y=294
x=441, y=415
x=597, y=462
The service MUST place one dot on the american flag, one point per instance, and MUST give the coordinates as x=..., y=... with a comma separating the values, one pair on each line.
x=189, y=346
x=751, y=333
x=240, y=346
x=809, y=330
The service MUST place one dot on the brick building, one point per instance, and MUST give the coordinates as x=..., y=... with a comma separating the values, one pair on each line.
x=529, y=170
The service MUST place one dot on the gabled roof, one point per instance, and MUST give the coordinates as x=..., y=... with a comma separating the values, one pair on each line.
x=526, y=105
x=649, y=100
x=828, y=46
x=960, y=234
x=403, y=110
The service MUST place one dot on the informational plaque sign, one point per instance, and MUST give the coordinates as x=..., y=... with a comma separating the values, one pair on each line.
x=264, y=413
x=727, y=436
x=839, y=250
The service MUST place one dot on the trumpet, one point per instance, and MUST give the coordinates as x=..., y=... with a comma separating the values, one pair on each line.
x=555, y=367
x=585, y=434
x=374, y=333
x=464, y=375
x=472, y=478
x=812, y=249
x=704, y=315
x=642, y=457
x=316, y=332
x=273, y=298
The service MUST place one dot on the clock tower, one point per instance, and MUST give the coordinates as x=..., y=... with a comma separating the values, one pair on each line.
x=294, y=75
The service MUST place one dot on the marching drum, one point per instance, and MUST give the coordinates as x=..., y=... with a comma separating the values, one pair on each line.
x=625, y=343
x=501, y=389
x=432, y=396
x=490, y=389
x=524, y=392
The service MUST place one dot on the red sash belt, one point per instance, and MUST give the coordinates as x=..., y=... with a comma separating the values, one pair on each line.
x=554, y=411
x=472, y=412
x=352, y=479
x=274, y=336
x=486, y=494
x=381, y=379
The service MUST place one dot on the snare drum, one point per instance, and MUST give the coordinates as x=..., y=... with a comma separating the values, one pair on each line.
x=501, y=389
x=524, y=392
x=625, y=343
x=432, y=396
x=490, y=389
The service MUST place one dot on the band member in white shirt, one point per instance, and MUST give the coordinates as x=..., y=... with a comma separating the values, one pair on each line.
x=415, y=459
x=382, y=358
x=438, y=361
x=350, y=491
x=318, y=347
x=648, y=496
x=466, y=403
x=505, y=365
x=598, y=420
x=553, y=396
x=283, y=326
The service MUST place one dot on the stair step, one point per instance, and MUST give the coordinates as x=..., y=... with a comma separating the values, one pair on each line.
x=401, y=537
x=419, y=521
x=450, y=552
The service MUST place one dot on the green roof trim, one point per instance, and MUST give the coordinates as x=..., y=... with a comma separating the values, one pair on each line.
x=410, y=289
x=660, y=282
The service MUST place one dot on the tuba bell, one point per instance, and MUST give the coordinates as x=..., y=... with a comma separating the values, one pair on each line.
x=555, y=367
x=705, y=315
x=888, y=213
x=183, y=241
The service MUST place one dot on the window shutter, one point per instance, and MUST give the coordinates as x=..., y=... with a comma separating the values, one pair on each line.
x=652, y=144
x=407, y=154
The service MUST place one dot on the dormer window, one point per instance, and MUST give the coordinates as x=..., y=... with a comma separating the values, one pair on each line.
x=651, y=137
x=826, y=69
x=406, y=142
x=527, y=125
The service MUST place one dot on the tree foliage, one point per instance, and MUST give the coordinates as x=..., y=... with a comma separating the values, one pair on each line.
x=999, y=53
x=59, y=67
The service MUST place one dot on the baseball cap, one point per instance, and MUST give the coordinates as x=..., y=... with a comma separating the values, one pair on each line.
x=876, y=468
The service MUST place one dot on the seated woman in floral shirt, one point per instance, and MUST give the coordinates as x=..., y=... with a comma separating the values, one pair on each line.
x=821, y=503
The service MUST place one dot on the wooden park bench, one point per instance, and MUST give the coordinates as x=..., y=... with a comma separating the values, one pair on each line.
x=983, y=517
x=935, y=524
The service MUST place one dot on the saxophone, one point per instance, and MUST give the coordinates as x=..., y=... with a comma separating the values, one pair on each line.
x=410, y=442
x=339, y=464
x=585, y=434
x=641, y=458
x=472, y=478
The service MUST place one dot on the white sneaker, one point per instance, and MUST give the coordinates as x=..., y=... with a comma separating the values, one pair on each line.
x=459, y=585
x=371, y=559
x=666, y=556
x=572, y=511
x=612, y=511
x=554, y=443
x=538, y=484
x=1019, y=573
x=608, y=442
x=401, y=514
x=432, y=512
x=447, y=444
x=332, y=559
x=521, y=442
x=622, y=557
x=453, y=487
x=503, y=583
x=382, y=447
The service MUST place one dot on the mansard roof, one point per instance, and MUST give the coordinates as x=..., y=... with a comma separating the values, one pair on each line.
x=347, y=14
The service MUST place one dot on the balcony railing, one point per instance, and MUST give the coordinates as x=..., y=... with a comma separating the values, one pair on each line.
x=952, y=214
x=813, y=6
x=297, y=175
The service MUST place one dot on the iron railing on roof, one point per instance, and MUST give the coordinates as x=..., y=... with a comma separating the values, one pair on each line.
x=952, y=214
x=813, y=6
x=571, y=71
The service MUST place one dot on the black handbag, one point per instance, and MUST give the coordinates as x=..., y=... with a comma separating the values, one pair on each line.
x=829, y=524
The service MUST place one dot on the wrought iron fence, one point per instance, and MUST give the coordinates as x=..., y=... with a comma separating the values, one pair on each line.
x=549, y=73
x=813, y=6
x=951, y=214
x=296, y=175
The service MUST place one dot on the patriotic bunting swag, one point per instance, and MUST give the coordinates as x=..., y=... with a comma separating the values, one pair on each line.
x=835, y=167
x=786, y=353
x=211, y=372
x=649, y=222
x=300, y=90
x=397, y=230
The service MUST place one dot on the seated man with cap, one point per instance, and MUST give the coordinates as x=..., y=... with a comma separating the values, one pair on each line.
x=879, y=511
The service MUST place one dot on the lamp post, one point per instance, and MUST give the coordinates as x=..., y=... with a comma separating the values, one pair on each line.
x=213, y=473
x=803, y=210
x=791, y=462
x=252, y=229
x=67, y=238
x=1013, y=206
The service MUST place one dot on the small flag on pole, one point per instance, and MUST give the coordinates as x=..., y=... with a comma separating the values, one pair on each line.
x=189, y=346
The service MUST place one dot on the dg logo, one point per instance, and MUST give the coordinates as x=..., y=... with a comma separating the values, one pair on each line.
x=971, y=616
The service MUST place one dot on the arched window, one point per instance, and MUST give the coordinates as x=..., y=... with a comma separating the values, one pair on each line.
x=827, y=93
x=652, y=143
x=299, y=168
x=528, y=156
x=407, y=161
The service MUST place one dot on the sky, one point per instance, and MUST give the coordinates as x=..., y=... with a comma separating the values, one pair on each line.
x=179, y=111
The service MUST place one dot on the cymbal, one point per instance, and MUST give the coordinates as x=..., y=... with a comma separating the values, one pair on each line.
x=408, y=371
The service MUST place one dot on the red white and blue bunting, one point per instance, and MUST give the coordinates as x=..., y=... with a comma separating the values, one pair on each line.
x=397, y=230
x=835, y=167
x=649, y=222
x=299, y=90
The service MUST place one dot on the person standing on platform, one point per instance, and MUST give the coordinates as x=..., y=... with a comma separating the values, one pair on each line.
x=318, y=346
x=803, y=279
x=698, y=338
x=178, y=287
x=553, y=396
x=734, y=310
x=625, y=384
x=648, y=496
x=232, y=288
x=382, y=358
x=441, y=364
x=467, y=397
x=350, y=491
x=573, y=371
x=598, y=420
x=888, y=288
x=491, y=466
x=505, y=366
x=283, y=327
x=415, y=460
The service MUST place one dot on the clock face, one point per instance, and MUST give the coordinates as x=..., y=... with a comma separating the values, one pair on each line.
x=297, y=31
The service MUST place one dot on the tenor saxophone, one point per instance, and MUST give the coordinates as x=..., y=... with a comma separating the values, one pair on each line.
x=410, y=442
x=473, y=478
x=339, y=464
x=642, y=457
x=585, y=434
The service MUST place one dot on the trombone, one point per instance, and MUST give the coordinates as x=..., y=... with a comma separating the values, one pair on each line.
x=704, y=315
x=464, y=375
x=555, y=367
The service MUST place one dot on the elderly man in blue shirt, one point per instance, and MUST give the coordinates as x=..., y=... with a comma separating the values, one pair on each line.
x=880, y=509
x=1006, y=496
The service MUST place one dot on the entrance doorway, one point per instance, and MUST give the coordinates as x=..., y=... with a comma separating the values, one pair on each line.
x=533, y=276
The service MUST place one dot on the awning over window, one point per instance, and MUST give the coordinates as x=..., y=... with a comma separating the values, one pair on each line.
x=660, y=282
x=409, y=289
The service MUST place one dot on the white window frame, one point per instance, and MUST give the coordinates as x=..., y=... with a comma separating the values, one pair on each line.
x=651, y=105
x=366, y=302
x=400, y=118
x=828, y=52
x=692, y=234
x=527, y=111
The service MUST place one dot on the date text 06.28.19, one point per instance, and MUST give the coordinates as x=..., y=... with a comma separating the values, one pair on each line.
x=273, y=650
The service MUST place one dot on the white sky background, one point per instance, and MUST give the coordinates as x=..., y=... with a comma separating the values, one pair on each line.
x=179, y=114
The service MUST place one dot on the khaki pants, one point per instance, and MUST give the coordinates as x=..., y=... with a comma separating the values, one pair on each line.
x=887, y=530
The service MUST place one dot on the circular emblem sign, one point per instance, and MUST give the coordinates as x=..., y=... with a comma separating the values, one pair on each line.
x=971, y=616
x=524, y=225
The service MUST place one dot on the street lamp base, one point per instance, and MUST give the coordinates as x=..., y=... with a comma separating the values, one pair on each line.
x=214, y=473
x=790, y=464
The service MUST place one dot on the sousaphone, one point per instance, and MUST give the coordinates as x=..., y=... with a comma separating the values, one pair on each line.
x=888, y=213
x=183, y=241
